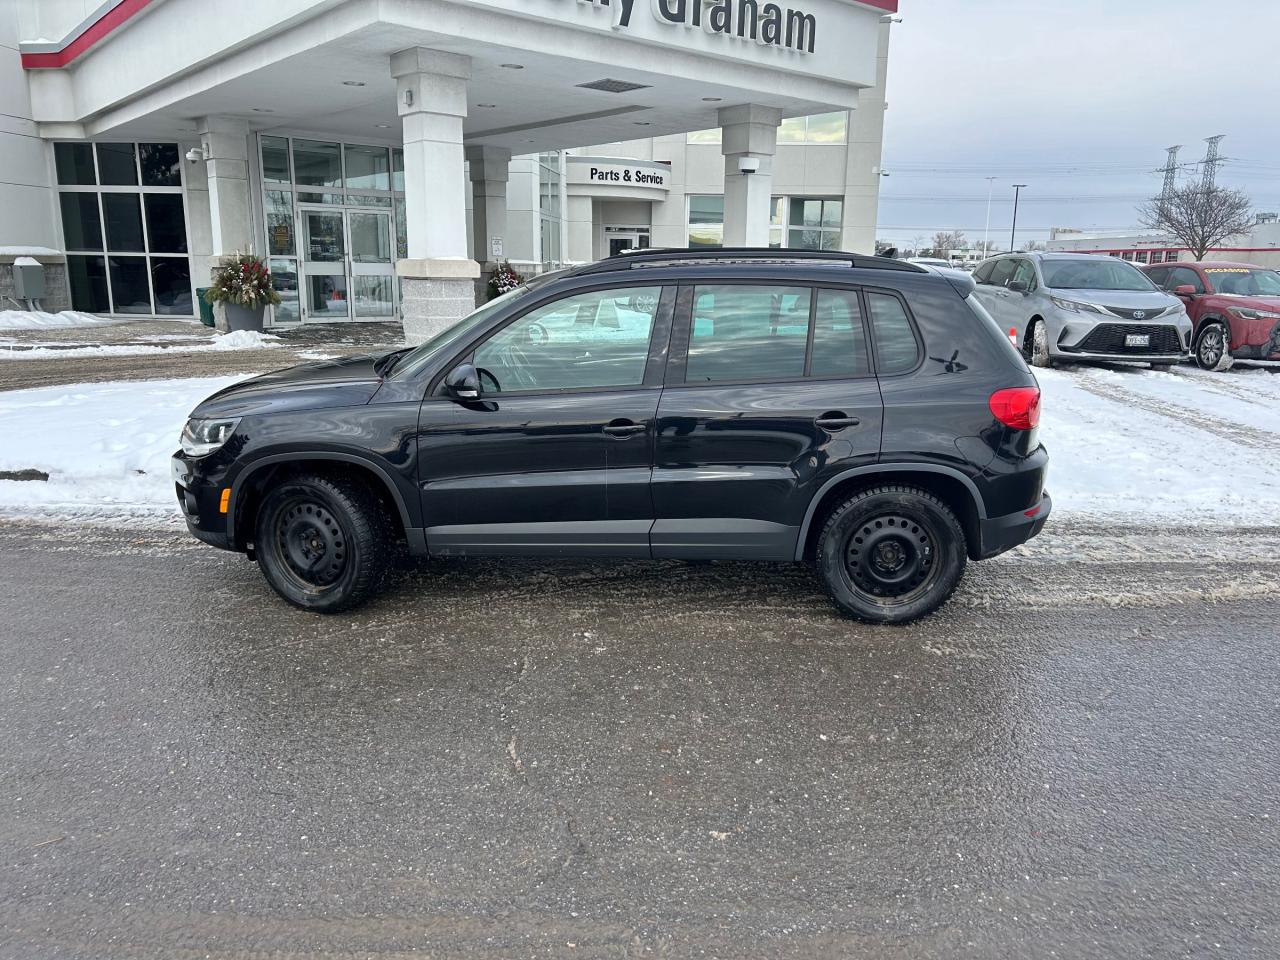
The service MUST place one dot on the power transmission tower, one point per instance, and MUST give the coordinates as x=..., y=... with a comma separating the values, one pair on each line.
x=1211, y=160
x=1170, y=173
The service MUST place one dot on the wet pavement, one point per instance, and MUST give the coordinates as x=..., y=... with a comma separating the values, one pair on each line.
x=176, y=349
x=1077, y=758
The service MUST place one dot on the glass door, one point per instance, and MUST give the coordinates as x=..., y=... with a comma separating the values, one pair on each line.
x=325, y=264
x=623, y=239
x=372, y=267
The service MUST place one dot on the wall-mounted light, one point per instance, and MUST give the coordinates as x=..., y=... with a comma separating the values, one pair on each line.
x=408, y=98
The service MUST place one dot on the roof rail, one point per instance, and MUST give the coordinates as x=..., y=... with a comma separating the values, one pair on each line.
x=648, y=257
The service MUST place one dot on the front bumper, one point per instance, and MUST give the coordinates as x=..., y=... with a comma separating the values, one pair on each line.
x=1064, y=353
x=998, y=534
x=199, y=497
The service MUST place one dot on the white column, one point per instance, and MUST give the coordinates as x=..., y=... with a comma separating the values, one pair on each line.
x=489, y=169
x=748, y=140
x=862, y=164
x=225, y=141
x=579, y=229
x=438, y=278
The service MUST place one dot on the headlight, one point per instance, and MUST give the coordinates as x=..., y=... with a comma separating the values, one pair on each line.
x=201, y=437
x=1075, y=306
x=1248, y=313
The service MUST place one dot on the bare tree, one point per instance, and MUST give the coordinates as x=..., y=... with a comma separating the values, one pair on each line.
x=1031, y=246
x=944, y=241
x=1198, y=217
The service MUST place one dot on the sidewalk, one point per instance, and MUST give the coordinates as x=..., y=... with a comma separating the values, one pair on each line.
x=171, y=349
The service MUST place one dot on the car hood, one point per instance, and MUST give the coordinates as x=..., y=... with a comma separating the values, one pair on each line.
x=345, y=382
x=1251, y=302
x=1128, y=299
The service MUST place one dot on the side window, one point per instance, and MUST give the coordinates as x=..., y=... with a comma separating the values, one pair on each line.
x=743, y=332
x=983, y=273
x=1159, y=276
x=596, y=339
x=1026, y=273
x=896, y=347
x=1003, y=272
x=839, y=341
x=1183, y=275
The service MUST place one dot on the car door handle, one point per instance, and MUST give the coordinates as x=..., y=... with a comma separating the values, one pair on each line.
x=624, y=428
x=836, y=421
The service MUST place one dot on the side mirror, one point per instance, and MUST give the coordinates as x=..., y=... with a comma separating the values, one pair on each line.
x=1018, y=286
x=1184, y=290
x=463, y=382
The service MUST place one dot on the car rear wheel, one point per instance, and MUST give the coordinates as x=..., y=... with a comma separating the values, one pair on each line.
x=1212, y=351
x=324, y=544
x=891, y=554
x=1037, y=350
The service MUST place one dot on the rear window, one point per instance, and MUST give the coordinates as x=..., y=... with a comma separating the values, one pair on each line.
x=896, y=348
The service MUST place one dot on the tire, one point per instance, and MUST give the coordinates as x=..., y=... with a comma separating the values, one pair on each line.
x=1037, y=351
x=891, y=554
x=1212, y=351
x=335, y=525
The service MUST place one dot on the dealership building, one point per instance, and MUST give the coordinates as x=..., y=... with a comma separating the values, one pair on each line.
x=385, y=155
x=1259, y=245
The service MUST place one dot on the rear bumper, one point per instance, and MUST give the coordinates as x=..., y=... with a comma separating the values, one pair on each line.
x=998, y=534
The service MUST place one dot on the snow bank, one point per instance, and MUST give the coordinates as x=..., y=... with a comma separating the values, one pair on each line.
x=36, y=319
x=237, y=340
x=245, y=340
x=106, y=447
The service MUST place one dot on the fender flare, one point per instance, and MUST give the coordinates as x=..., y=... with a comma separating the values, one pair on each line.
x=871, y=470
x=241, y=480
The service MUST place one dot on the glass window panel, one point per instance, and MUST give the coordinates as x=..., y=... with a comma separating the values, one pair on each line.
x=832, y=211
x=596, y=339
x=129, y=290
x=402, y=232
x=284, y=278
x=74, y=162
x=275, y=159
x=370, y=237
x=365, y=200
x=317, y=164
x=123, y=214
x=827, y=127
x=896, y=348
x=325, y=242
x=791, y=130
x=743, y=332
x=161, y=164
x=397, y=170
x=706, y=208
x=88, y=279
x=326, y=198
x=171, y=280
x=81, y=221
x=372, y=296
x=707, y=235
x=166, y=223
x=829, y=239
x=839, y=343
x=704, y=136
x=279, y=206
x=368, y=168
x=327, y=296
x=806, y=212
x=116, y=164
x=805, y=239
x=777, y=210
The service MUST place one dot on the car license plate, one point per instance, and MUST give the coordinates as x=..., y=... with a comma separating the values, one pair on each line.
x=1137, y=339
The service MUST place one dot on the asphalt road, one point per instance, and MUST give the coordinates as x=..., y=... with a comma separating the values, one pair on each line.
x=1077, y=758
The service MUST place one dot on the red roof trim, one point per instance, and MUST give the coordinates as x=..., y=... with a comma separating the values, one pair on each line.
x=890, y=5
x=96, y=31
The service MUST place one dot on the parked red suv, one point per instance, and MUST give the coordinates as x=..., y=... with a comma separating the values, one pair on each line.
x=1234, y=308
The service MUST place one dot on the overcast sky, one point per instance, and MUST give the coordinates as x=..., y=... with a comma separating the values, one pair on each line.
x=1076, y=98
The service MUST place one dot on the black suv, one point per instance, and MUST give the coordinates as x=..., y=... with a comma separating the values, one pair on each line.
x=862, y=413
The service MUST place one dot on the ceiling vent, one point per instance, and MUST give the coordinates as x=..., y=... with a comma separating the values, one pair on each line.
x=609, y=85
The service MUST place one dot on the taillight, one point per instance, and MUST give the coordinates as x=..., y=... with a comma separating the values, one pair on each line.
x=1017, y=407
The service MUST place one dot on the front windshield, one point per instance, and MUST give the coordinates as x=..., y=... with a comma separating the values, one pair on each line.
x=413, y=362
x=1100, y=274
x=1244, y=282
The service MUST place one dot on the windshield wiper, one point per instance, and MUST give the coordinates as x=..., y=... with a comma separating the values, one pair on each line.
x=387, y=362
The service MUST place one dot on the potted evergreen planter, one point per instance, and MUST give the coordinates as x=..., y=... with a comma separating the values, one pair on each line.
x=240, y=292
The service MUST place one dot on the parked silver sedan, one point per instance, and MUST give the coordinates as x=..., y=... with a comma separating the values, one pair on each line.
x=1076, y=306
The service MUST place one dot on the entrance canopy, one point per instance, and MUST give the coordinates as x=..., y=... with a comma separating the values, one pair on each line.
x=545, y=74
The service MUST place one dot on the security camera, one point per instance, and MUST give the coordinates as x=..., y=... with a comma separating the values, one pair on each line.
x=195, y=155
x=748, y=164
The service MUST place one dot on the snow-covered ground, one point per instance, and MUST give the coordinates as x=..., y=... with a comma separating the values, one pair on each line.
x=36, y=319
x=1126, y=445
x=236, y=340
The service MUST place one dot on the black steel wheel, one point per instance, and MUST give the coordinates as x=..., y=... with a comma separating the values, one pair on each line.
x=324, y=544
x=891, y=554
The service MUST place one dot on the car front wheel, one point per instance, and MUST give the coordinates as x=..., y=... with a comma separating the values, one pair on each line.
x=1038, y=346
x=324, y=544
x=1212, y=348
x=891, y=554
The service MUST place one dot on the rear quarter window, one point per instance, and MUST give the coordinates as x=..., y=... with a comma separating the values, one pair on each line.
x=897, y=350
